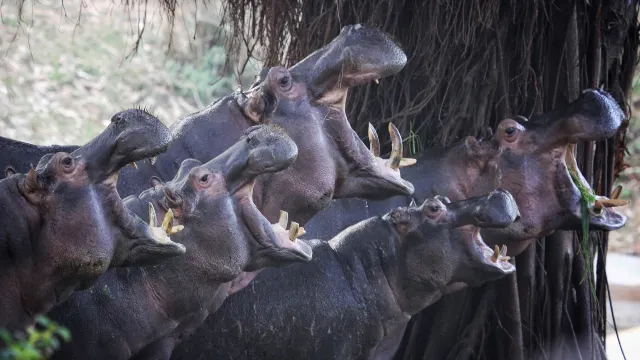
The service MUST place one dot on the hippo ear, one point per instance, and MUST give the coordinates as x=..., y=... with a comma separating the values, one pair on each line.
x=9, y=171
x=155, y=181
x=472, y=146
x=30, y=189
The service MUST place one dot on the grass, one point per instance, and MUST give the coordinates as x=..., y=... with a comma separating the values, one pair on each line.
x=60, y=82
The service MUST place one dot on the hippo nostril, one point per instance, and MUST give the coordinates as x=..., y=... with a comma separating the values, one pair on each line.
x=517, y=218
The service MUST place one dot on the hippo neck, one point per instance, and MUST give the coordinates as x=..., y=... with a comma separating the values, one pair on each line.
x=433, y=173
x=367, y=253
x=209, y=132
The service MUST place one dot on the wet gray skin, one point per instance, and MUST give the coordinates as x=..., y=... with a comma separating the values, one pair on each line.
x=143, y=313
x=360, y=285
x=63, y=224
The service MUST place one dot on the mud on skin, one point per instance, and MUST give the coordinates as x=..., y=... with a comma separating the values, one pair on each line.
x=308, y=102
x=64, y=224
x=360, y=284
x=148, y=311
x=534, y=160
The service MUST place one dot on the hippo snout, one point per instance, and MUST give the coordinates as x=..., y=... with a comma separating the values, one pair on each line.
x=499, y=210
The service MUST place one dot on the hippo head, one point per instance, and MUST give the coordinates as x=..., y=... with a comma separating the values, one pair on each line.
x=440, y=246
x=538, y=167
x=308, y=101
x=214, y=203
x=78, y=221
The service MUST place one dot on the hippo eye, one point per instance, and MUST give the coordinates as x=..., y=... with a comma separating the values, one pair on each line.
x=204, y=178
x=67, y=161
x=511, y=133
x=433, y=210
x=285, y=82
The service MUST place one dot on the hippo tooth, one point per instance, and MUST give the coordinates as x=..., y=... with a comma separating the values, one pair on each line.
x=396, y=147
x=374, y=141
x=176, y=229
x=153, y=160
x=153, y=221
x=602, y=201
x=284, y=219
x=377, y=81
x=506, y=258
x=301, y=232
x=503, y=251
x=496, y=253
x=293, y=231
x=407, y=162
x=134, y=165
x=167, y=222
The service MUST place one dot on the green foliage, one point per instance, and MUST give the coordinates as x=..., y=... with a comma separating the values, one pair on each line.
x=205, y=80
x=36, y=343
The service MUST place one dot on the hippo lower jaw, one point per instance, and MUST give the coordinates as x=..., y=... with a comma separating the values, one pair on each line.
x=495, y=258
x=601, y=214
x=275, y=239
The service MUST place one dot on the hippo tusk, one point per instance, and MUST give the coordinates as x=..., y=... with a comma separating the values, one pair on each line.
x=616, y=192
x=604, y=202
x=503, y=251
x=412, y=203
x=396, y=147
x=153, y=160
x=301, y=231
x=175, y=229
x=524, y=119
x=134, y=165
x=377, y=81
x=407, y=162
x=153, y=220
x=496, y=253
x=284, y=219
x=374, y=141
x=293, y=231
x=167, y=222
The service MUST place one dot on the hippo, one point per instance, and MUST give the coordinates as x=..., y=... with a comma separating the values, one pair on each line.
x=63, y=224
x=361, y=284
x=142, y=313
x=536, y=163
x=525, y=157
x=308, y=101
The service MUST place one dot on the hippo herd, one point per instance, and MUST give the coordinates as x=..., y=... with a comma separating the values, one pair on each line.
x=262, y=227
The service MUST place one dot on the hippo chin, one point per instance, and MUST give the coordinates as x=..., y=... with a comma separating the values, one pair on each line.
x=63, y=223
x=360, y=285
x=532, y=159
x=308, y=102
x=143, y=313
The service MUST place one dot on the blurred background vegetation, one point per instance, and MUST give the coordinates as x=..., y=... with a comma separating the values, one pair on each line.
x=65, y=70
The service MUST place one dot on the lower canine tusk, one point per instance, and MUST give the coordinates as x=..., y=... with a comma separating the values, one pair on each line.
x=496, y=253
x=284, y=219
x=293, y=231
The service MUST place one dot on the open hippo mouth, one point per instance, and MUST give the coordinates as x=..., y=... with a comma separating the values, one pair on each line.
x=496, y=258
x=273, y=238
x=600, y=208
